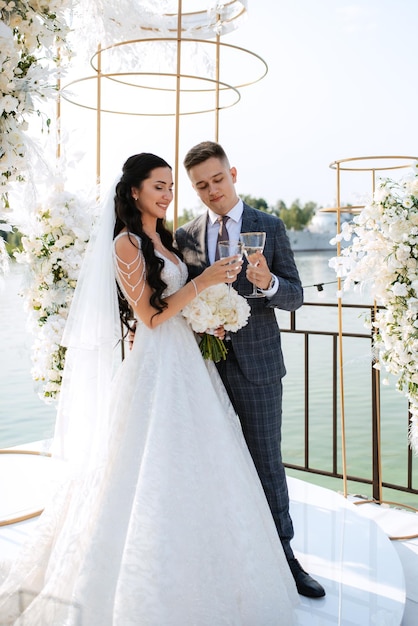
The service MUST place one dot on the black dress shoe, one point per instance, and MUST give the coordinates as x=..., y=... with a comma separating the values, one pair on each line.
x=305, y=584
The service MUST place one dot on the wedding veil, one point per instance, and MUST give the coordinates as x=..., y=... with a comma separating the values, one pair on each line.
x=91, y=336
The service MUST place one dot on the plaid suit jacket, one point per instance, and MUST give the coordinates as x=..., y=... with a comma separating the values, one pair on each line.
x=257, y=345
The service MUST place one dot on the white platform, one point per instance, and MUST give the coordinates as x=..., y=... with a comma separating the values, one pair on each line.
x=339, y=543
x=352, y=558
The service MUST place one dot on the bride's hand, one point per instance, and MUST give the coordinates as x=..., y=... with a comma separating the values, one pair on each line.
x=222, y=271
x=219, y=332
x=131, y=335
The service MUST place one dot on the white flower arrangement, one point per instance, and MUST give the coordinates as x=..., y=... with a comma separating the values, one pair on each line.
x=29, y=32
x=30, y=35
x=384, y=256
x=54, y=252
x=213, y=307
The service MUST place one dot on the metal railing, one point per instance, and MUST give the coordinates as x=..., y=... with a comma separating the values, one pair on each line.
x=375, y=479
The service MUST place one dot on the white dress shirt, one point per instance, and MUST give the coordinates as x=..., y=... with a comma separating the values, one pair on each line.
x=233, y=226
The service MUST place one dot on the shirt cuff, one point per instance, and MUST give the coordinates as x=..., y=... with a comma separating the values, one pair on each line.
x=269, y=293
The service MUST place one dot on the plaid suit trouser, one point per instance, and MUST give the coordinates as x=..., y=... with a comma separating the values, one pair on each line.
x=259, y=408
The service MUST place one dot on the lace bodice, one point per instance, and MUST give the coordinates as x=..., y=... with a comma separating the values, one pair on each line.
x=174, y=275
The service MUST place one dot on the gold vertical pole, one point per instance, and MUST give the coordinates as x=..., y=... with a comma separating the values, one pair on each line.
x=217, y=77
x=377, y=389
x=98, y=115
x=177, y=116
x=340, y=341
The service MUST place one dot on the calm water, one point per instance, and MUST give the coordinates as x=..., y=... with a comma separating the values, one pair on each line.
x=24, y=417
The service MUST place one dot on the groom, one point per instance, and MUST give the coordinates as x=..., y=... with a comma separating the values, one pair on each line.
x=253, y=370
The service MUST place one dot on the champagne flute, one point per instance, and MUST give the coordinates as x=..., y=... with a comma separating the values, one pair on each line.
x=230, y=248
x=252, y=243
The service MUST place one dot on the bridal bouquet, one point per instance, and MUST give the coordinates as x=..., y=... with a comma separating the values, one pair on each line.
x=213, y=307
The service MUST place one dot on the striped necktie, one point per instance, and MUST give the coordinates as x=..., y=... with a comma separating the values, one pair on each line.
x=223, y=234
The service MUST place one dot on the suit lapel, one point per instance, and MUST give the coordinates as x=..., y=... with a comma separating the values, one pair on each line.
x=249, y=220
x=200, y=235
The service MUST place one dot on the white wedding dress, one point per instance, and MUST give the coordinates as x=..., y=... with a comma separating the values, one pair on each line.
x=175, y=529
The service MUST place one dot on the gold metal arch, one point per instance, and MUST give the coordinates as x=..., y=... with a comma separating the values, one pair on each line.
x=202, y=28
x=370, y=164
x=240, y=9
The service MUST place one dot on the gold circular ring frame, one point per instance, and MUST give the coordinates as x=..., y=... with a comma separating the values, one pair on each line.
x=398, y=505
x=221, y=45
x=200, y=20
x=150, y=113
x=185, y=83
x=22, y=518
x=357, y=164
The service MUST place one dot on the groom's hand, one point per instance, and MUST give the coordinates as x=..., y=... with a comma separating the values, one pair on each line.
x=219, y=332
x=259, y=273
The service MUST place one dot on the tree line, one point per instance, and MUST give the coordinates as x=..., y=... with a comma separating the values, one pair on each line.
x=297, y=216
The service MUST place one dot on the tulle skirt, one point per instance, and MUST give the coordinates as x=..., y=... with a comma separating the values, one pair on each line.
x=174, y=528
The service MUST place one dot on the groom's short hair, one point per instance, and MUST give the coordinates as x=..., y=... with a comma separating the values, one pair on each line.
x=204, y=151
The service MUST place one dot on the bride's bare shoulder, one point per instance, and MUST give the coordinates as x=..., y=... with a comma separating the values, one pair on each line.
x=127, y=245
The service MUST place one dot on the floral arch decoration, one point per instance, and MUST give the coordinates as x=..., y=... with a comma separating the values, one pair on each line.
x=382, y=255
x=37, y=41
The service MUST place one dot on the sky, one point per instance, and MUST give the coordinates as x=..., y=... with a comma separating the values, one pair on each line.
x=341, y=83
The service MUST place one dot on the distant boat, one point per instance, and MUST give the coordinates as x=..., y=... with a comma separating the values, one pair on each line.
x=321, y=229
x=306, y=240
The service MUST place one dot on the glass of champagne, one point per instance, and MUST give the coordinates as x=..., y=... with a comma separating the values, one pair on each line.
x=252, y=243
x=230, y=248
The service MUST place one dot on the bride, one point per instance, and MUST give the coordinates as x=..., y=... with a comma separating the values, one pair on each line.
x=161, y=519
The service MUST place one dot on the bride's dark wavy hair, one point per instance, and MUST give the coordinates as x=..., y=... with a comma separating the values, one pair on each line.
x=135, y=170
